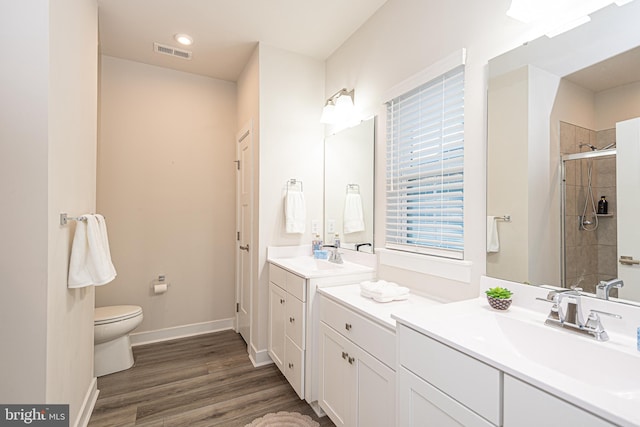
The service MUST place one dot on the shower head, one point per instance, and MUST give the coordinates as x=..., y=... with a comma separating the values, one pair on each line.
x=593, y=147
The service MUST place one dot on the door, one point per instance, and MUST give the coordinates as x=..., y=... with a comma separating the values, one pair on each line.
x=244, y=223
x=628, y=206
x=336, y=377
x=375, y=392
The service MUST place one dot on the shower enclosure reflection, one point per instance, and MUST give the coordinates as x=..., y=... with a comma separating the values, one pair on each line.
x=589, y=239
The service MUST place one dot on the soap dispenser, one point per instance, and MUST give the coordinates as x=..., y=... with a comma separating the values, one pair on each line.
x=603, y=206
x=336, y=241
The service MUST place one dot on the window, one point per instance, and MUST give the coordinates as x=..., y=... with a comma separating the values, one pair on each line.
x=425, y=162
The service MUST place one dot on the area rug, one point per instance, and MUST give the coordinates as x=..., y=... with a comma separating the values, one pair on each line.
x=284, y=419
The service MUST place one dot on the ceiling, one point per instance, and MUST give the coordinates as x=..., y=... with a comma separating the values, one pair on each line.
x=226, y=32
x=616, y=71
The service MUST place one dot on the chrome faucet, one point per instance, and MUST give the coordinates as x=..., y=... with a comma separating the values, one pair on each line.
x=573, y=319
x=335, y=256
x=603, y=288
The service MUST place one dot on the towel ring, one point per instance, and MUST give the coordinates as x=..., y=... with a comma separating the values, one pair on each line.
x=292, y=183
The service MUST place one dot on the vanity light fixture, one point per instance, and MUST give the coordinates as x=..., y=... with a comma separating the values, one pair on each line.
x=339, y=107
x=184, y=39
x=557, y=16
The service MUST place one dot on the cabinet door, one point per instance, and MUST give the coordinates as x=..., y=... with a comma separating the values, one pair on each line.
x=547, y=410
x=335, y=376
x=375, y=391
x=276, y=335
x=295, y=321
x=422, y=405
x=294, y=366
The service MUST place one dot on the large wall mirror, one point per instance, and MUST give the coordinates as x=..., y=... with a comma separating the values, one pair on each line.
x=553, y=152
x=349, y=188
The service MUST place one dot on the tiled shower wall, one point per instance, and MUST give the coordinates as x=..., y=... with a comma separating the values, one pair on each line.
x=590, y=256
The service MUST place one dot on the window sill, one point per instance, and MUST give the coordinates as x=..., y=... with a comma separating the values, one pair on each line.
x=458, y=270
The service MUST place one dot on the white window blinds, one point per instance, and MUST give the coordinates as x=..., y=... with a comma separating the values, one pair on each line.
x=425, y=162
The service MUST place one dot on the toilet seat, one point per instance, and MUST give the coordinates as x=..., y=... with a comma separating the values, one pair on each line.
x=115, y=313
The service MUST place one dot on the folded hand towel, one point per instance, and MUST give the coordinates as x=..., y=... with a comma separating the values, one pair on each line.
x=353, y=215
x=295, y=211
x=90, y=262
x=383, y=291
x=493, y=243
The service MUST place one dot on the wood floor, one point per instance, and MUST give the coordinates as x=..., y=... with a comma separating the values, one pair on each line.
x=206, y=380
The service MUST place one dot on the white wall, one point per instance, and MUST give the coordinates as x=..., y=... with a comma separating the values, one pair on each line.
x=166, y=184
x=291, y=146
x=73, y=78
x=617, y=104
x=23, y=162
x=401, y=39
x=47, y=157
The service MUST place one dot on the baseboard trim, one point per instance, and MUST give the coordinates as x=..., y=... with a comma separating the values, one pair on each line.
x=158, y=335
x=88, y=404
x=259, y=358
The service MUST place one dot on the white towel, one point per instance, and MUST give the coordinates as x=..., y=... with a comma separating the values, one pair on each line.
x=295, y=211
x=383, y=291
x=493, y=243
x=90, y=262
x=353, y=215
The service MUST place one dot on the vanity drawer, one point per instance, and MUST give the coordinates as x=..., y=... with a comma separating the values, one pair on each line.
x=467, y=380
x=295, y=285
x=278, y=276
x=294, y=321
x=375, y=339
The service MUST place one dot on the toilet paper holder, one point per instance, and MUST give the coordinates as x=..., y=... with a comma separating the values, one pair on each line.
x=158, y=286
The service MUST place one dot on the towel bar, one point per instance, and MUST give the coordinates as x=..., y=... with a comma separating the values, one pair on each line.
x=64, y=218
x=505, y=218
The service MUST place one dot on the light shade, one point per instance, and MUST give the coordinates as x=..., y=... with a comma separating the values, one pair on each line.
x=328, y=113
x=339, y=108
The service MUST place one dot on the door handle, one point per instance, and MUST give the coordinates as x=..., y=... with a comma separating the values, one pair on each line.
x=628, y=260
x=244, y=248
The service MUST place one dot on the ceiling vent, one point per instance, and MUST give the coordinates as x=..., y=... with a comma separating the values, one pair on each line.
x=171, y=51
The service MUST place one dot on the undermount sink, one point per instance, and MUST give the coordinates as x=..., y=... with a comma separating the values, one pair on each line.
x=520, y=338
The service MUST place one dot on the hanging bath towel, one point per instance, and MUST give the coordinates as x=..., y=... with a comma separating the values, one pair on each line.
x=295, y=212
x=90, y=262
x=493, y=243
x=353, y=215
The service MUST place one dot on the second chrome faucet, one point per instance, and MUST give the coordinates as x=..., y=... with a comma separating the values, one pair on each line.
x=566, y=312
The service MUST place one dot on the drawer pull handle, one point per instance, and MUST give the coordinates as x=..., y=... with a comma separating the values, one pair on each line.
x=351, y=360
x=291, y=320
x=281, y=301
x=345, y=355
x=347, y=326
x=290, y=365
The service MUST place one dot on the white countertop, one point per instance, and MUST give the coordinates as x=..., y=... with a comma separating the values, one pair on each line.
x=379, y=312
x=310, y=268
x=620, y=404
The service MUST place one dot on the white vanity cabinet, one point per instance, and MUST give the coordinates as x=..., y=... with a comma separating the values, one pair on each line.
x=547, y=411
x=439, y=386
x=293, y=318
x=287, y=316
x=356, y=375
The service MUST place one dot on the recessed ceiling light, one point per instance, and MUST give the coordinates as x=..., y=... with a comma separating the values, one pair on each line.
x=183, y=39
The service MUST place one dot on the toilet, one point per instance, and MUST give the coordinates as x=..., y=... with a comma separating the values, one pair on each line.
x=112, y=346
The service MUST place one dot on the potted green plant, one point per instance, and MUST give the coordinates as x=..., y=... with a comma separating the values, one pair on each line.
x=499, y=298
